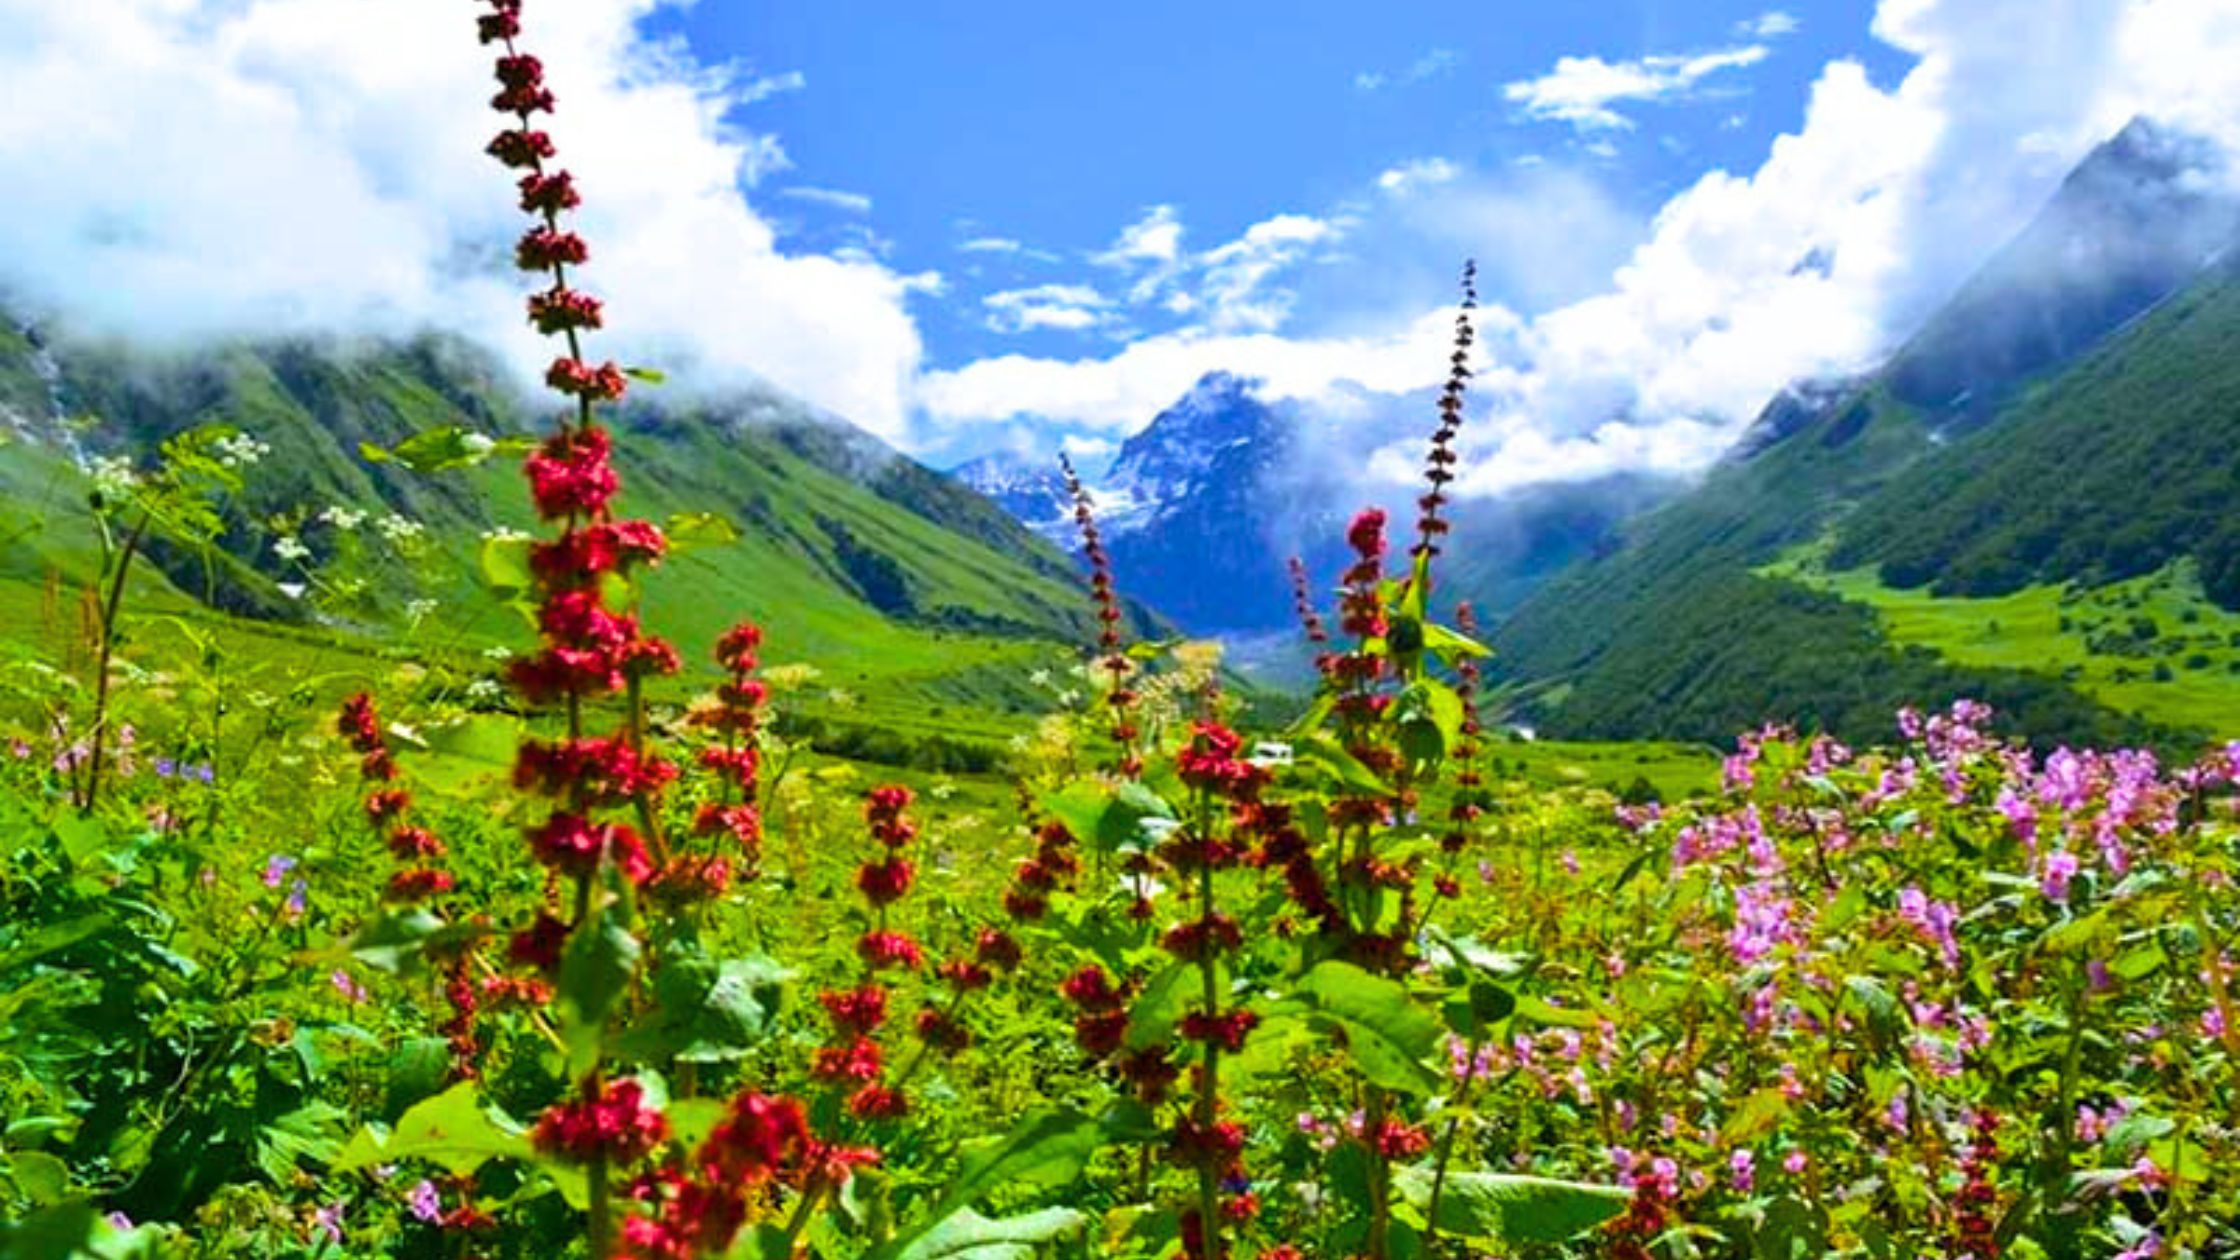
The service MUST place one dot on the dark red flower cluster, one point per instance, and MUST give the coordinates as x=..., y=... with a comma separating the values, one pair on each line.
x=1112, y=656
x=736, y=717
x=1052, y=865
x=853, y=1057
x=1284, y=847
x=1975, y=1209
x=697, y=1209
x=1103, y=1022
x=1226, y=1031
x=613, y=1123
x=604, y=383
x=1210, y=763
x=415, y=847
x=1438, y=470
x=1469, y=780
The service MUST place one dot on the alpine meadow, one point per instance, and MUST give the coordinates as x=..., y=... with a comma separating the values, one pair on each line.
x=565, y=701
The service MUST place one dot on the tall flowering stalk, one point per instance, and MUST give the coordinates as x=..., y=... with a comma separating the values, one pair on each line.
x=1439, y=461
x=1112, y=655
x=590, y=650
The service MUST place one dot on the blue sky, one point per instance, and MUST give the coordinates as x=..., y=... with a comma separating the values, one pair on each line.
x=971, y=227
x=1053, y=127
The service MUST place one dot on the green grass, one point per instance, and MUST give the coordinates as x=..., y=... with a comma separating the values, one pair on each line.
x=1674, y=770
x=2153, y=646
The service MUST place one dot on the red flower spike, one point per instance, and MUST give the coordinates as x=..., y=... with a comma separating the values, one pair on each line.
x=616, y=1124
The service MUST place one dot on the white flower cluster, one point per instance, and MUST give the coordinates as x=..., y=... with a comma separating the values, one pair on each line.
x=399, y=529
x=112, y=475
x=291, y=549
x=505, y=534
x=240, y=450
x=498, y=653
x=485, y=689
x=342, y=518
x=419, y=609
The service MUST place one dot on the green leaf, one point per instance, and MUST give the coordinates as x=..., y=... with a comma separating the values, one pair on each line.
x=594, y=971
x=1450, y=645
x=1320, y=752
x=1045, y=1152
x=417, y=1070
x=451, y=1130
x=650, y=376
x=971, y=1236
x=708, y=1011
x=1758, y=1115
x=467, y=753
x=442, y=449
x=1111, y=819
x=690, y=531
x=389, y=941
x=1160, y=1006
x=504, y=565
x=1541, y=1011
x=1512, y=1209
x=313, y=1131
x=1390, y=1036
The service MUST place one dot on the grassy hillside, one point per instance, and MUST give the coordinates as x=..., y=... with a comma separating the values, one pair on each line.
x=914, y=599
x=2117, y=468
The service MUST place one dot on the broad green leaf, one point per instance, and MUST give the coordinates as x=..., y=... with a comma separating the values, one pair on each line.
x=595, y=969
x=418, y=1069
x=1758, y=1115
x=504, y=563
x=1451, y=645
x=1321, y=753
x=1512, y=1209
x=1390, y=1036
x=649, y=376
x=1161, y=1004
x=1541, y=1011
x=971, y=1236
x=1045, y=1152
x=467, y=753
x=451, y=1130
x=442, y=449
x=708, y=1011
x=313, y=1131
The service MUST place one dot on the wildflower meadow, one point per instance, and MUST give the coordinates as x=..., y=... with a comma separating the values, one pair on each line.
x=589, y=957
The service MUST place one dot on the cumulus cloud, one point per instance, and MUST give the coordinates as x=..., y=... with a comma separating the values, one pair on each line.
x=186, y=169
x=1066, y=307
x=1420, y=173
x=1854, y=226
x=1582, y=90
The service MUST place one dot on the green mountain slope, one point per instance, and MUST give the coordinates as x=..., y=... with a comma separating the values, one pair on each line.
x=2118, y=459
x=901, y=587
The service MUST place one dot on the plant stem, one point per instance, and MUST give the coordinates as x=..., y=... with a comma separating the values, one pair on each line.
x=1446, y=1147
x=109, y=609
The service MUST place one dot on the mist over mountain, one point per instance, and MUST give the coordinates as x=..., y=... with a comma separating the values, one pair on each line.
x=2007, y=443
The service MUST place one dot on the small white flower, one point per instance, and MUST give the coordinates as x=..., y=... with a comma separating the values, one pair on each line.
x=485, y=689
x=290, y=548
x=499, y=653
x=240, y=451
x=112, y=475
x=505, y=534
x=293, y=590
x=399, y=529
x=419, y=609
x=343, y=518
x=1039, y=678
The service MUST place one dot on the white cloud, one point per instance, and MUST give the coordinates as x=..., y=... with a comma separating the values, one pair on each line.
x=838, y=199
x=1154, y=238
x=767, y=86
x=1581, y=90
x=182, y=169
x=1899, y=191
x=990, y=245
x=1771, y=24
x=1421, y=173
x=1065, y=307
x=1430, y=65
